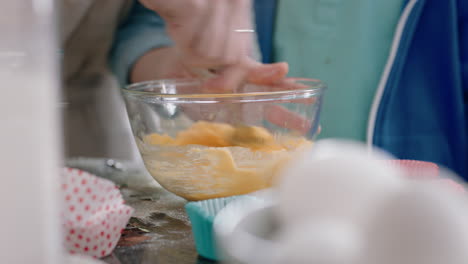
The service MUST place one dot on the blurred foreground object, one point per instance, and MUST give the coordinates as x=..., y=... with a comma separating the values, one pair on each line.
x=29, y=133
x=76, y=259
x=339, y=204
x=95, y=123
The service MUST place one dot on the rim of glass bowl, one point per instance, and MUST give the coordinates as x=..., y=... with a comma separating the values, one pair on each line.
x=139, y=91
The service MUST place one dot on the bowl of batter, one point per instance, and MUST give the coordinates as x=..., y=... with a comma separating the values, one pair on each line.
x=202, y=145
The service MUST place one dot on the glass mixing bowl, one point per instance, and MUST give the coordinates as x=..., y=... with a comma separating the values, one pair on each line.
x=201, y=145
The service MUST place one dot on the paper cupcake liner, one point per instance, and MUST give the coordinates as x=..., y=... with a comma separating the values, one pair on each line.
x=93, y=214
x=202, y=215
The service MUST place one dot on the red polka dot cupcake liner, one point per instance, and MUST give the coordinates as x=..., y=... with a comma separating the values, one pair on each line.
x=93, y=215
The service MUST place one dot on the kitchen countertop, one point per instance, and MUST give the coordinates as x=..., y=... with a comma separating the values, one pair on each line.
x=159, y=231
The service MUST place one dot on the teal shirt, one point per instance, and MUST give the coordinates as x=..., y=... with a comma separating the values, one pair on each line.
x=344, y=43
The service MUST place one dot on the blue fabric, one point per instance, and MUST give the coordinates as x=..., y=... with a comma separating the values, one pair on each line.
x=142, y=31
x=405, y=2
x=265, y=11
x=345, y=44
x=423, y=110
x=463, y=34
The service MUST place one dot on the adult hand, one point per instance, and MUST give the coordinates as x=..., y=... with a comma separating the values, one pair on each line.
x=204, y=30
x=206, y=37
x=207, y=40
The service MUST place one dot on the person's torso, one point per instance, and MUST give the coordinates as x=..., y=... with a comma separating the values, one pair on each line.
x=345, y=44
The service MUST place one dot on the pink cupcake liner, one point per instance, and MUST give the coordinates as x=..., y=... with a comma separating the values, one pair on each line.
x=93, y=214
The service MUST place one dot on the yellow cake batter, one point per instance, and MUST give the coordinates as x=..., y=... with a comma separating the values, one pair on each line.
x=211, y=160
